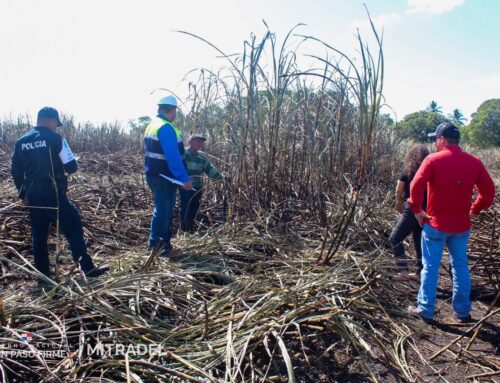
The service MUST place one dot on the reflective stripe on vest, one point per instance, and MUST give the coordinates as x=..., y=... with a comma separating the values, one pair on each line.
x=155, y=155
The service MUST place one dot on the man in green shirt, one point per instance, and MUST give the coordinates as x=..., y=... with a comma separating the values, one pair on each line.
x=196, y=164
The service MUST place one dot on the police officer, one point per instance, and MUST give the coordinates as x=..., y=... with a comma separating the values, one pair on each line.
x=41, y=158
x=163, y=150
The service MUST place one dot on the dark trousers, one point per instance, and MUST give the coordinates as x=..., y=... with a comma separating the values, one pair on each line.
x=407, y=224
x=69, y=222
x=190, y=204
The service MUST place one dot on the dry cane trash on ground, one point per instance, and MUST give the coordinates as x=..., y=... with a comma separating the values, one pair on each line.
x=242, y=302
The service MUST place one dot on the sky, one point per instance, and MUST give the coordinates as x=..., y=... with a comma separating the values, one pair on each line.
x=107, y=60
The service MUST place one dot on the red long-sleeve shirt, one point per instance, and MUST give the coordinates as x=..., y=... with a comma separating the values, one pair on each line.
x=450, y=176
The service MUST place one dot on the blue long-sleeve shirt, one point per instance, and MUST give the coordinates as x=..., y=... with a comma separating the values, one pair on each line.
x=169, y=144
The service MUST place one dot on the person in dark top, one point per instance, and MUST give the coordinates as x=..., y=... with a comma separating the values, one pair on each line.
x=40, y=160
x=407, y=223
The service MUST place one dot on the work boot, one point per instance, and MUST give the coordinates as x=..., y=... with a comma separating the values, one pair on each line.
x=169, y=253
x=415, y=312
x=162, y=248
x=160, y=245
x=97, y=271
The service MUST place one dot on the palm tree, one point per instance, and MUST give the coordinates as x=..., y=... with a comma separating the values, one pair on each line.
x=457, y=117
x=434, y=107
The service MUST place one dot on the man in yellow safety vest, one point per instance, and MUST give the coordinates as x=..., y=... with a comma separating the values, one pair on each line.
x=163, y=150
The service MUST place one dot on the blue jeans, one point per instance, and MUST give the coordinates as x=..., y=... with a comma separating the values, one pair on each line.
x=433, y=242
x=164, y=194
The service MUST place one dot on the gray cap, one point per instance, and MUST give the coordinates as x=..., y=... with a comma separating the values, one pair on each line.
x=197, y=136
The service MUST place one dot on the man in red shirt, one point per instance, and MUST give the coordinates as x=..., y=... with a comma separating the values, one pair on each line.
x=449, y=177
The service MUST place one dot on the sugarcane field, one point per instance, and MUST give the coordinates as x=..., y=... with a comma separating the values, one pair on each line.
x=267, y=218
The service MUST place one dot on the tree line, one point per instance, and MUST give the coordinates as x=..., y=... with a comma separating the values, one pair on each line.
x=482, y=131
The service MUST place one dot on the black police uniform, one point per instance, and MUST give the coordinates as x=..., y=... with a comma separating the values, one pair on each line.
x=41, y=158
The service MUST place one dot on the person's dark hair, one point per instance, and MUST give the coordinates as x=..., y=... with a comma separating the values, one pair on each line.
x=414, y=158
x=452, y=141
x=165, y=108
x=43, y=121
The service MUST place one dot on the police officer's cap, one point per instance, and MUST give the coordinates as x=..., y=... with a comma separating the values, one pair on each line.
x=48, y=112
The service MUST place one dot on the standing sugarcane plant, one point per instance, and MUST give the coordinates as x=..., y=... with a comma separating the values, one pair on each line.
x=290, y=138
x=365, y=87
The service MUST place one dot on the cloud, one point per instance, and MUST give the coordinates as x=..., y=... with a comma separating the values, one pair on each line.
x=433, y=7
x=380, y=21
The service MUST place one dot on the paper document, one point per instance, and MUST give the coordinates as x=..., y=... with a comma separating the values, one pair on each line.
x=173, y=180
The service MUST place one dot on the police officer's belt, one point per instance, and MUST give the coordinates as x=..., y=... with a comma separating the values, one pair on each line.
x=41, y=183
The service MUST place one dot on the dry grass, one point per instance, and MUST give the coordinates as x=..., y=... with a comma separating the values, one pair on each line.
x=244, y=301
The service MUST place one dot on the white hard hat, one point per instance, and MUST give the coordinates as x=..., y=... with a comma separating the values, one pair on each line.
x=168, y=100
